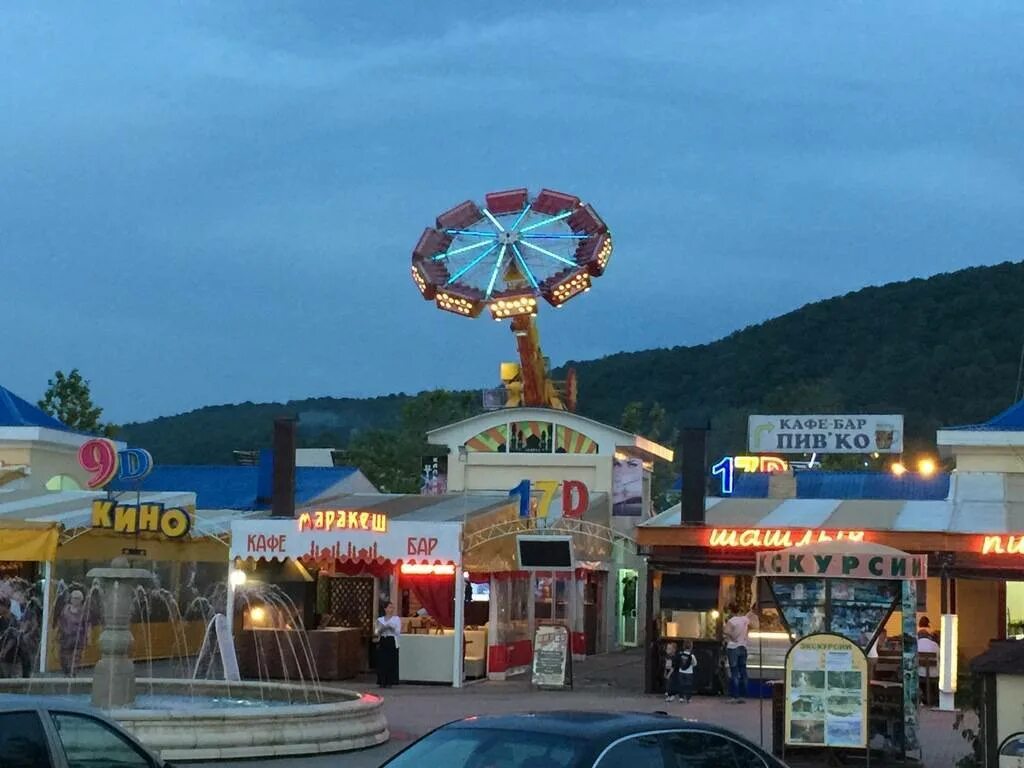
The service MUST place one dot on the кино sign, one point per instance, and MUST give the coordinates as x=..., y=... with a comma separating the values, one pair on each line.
x=825, y=434
x=171, y=522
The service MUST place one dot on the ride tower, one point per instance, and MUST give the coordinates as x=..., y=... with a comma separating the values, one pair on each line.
x=506, y=256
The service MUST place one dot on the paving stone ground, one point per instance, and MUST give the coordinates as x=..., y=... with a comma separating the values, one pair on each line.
x=609, y=682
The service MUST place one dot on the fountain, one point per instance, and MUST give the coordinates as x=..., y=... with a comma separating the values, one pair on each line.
x=113, y=680
x=197, y=719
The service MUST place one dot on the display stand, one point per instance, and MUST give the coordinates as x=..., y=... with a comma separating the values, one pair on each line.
x=836, y=596
x=552, y=658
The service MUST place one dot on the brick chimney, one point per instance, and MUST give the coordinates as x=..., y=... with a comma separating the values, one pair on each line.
x=283, y=469
x=693, y=446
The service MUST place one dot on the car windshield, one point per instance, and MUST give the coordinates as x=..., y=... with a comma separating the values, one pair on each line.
x=491, y=748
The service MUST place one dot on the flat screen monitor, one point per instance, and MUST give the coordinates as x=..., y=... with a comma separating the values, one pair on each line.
x=689, y=592
x=545, y=553
x=481, y=593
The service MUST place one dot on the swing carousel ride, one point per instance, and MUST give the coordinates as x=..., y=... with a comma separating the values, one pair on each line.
x=506, y=256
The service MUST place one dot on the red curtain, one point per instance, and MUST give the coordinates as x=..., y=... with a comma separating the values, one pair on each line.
x=437, y=595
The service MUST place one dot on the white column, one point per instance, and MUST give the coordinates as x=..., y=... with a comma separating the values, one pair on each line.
x=460, y=627
x=44, y=631
x=493, y=632
x=948, y=649
x=229, y=606
x=531, y=608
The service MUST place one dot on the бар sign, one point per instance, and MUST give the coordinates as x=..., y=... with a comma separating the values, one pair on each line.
x=849, y=566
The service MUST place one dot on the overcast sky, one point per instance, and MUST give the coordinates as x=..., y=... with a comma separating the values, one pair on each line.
x=214, y=202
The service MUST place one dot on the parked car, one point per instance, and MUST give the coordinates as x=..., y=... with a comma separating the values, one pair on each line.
x=582, y=740
x=48, y=732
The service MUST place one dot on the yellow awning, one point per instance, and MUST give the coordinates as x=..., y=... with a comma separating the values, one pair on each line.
x=103, y=544
x=25, y=541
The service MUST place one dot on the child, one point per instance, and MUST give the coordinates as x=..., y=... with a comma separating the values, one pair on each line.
x=671, y=672
x=687, y=663
x=679, y=667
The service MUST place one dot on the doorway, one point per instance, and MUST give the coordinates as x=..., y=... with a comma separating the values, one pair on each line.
x=628, y=581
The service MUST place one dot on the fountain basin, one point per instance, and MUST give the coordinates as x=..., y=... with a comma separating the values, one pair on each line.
x=185, y=720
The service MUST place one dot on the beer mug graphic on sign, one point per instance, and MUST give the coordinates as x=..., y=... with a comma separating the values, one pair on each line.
x=885, y=436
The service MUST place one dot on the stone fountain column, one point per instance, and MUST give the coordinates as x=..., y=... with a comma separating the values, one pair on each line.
x=113, y=681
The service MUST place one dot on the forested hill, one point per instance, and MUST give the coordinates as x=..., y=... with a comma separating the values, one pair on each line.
x=942, y=351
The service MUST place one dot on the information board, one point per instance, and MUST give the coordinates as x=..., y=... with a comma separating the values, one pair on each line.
x=552, y=667
x=826, y=693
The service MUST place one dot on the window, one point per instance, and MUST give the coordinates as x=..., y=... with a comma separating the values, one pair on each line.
x=91, y=743
x=487, y=748
x=23, y=741
x=634, y=752
x=700, y=749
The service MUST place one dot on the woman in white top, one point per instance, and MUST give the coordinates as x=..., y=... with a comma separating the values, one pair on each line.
x=389, y=630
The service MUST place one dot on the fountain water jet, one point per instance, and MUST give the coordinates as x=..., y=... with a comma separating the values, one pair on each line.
x=197, y=719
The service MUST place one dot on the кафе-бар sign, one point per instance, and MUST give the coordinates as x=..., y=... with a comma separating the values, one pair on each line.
x=853, y=433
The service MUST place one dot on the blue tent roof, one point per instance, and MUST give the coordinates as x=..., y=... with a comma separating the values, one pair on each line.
x=15, y=412
x=1010, y=420
x=231, y=487
x=818, y=484
x=871, y=485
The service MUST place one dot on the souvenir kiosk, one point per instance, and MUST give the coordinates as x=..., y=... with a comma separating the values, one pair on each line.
x=359, y=549
x=833, y=599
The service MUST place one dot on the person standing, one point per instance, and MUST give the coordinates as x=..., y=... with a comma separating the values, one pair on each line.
x=687, y=663
x=737, y=634
x=389, y=631
x=671, y=672
x=8, y=638
x=72, y=633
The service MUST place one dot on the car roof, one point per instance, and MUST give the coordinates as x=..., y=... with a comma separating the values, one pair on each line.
x=17, y=701
x=591, y=725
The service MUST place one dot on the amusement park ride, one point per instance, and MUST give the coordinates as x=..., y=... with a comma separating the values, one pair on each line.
x=506, y=256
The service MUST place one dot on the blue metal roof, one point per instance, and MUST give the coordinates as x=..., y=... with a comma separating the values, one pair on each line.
x=819, y=484
x=15, y=412
x=1010, y=420
x=871, y=485
x=231, y=487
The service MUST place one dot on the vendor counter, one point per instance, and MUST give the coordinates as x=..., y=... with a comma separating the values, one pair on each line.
x=766, y=660
x=427, y=658
x=337, y=653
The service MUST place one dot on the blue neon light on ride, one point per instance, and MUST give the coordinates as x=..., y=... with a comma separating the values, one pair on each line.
x=471, y=264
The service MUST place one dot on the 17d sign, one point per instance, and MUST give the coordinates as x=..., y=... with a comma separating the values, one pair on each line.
x=856, y=433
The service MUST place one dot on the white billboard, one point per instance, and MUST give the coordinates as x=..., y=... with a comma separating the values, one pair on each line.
x=813, y=433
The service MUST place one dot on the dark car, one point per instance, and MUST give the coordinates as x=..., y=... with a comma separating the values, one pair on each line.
x=582, y=740
x=48, y=732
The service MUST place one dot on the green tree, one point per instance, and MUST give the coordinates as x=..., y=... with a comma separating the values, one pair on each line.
x=68, y=399
x=393, y=458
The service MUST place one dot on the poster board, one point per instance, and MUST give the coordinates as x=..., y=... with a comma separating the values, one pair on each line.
x=826, y=693
x=552, y=664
